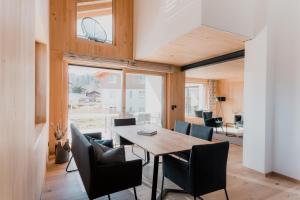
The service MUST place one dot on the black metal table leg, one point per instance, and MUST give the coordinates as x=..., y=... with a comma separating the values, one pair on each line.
x=155, y=176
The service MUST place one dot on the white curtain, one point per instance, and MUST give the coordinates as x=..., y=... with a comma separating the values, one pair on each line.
x=212, y=87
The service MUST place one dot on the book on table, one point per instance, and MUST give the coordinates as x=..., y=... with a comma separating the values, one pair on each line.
x=147, y=132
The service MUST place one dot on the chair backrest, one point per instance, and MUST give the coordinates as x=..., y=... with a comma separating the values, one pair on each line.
x=199, y=113
x=125, y=122
x=182, y=127
x=238, y=118
x=83, y=154
x=202, y=132
x=207, y=115
x=208, y=166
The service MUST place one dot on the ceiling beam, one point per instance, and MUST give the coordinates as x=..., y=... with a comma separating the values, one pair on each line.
x=215, y=60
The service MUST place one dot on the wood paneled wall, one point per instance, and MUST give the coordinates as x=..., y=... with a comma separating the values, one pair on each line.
x=63, y=31
x=233, y=90
x=63, y=41
x=175, y=95
x=23, y=145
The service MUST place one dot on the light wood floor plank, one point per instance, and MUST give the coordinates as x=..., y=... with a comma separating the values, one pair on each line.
x=243, y=184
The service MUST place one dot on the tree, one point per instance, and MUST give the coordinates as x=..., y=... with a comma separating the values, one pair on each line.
x=76, y=89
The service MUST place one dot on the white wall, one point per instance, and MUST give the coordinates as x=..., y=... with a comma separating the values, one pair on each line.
x=284, y=56
x=234, y=16
x=23, y=146
x=158, y=22
x=272, y=85
x=255, y=103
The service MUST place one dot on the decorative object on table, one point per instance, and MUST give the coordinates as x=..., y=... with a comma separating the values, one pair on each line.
x=147, y=132
x=62, y=146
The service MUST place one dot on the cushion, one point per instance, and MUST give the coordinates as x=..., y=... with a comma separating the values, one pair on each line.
x=107, y=155
x=108, y=143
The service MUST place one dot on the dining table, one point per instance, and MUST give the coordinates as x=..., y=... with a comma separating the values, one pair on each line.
x=164, y=142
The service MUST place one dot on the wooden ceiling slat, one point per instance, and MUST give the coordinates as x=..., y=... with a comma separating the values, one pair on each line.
x=95, y=6
x=94, y=13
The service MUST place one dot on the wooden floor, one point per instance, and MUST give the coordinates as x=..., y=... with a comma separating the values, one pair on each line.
x=243, y=184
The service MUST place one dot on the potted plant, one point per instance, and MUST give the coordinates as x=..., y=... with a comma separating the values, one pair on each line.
x=62, y=146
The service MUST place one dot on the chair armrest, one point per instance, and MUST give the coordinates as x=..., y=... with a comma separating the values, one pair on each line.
x=119, y=175
x=176, y=170
x=95, y=135
x=175, y=162
x=218, y=119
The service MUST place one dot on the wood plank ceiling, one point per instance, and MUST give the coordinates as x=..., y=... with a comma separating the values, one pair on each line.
x=93, y=8
x=200, y=44
x=228, y=70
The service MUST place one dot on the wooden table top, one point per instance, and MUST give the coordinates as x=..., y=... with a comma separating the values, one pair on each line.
x=164, y=142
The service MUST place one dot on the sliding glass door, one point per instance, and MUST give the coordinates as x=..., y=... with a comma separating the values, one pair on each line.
x=97, y=96
x=144, y=98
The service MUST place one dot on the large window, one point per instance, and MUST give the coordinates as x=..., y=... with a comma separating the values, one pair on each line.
x=95, y=20
x=95, y=97
x=194, y=98
x=144, y=98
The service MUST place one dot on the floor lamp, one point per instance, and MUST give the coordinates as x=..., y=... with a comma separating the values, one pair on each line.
x=220, y=100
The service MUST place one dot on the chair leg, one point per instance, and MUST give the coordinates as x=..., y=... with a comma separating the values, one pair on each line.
x=108, y=196
x=74, y=170
x=135, y=196
x=226, y=194
x=147, y=160
x=136, y=154
x=162, y=186
x=223, y=129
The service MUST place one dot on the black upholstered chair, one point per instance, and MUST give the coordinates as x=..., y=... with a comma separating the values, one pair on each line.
x=198, y=131
x=125, y=122
x=182, y=127
x=97, y=136
x=238, y=121
x=202, y=132
x=199, y=113
x=103, y=179
x=210, y=121
x=203, y=174
x=123, y=141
